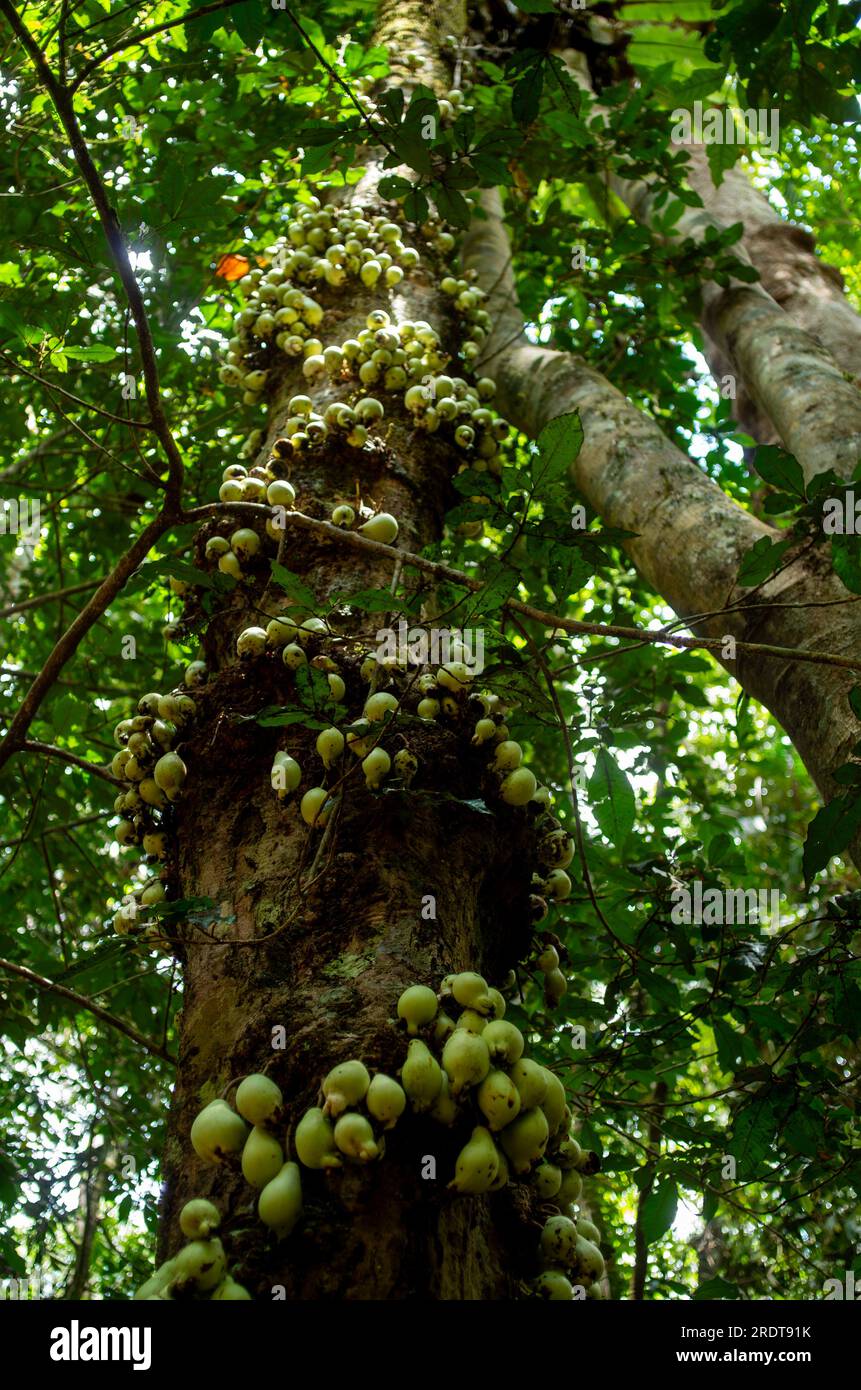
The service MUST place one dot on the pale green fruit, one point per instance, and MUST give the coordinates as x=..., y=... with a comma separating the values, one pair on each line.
x=261, y=1158
x=477, y=1163
x=330, y=746
x=153, y=892
x=386, y=1100
x=125, y=833
x=150, y=792
x=588, y=1260
x=503, y=1177
x=379, y=705
x=428, y=708
x=465, y=1059
x=217, y=1131
x=525, y=1139
x=498, y=1002
x=498, y=1100
x=343, y=515
x=383, y=527
x=229, y=563
x=346, y=1084
x=417, y=1006
x=376, y=767
x=445, y=1109
x=169, y=773
x=454, y=676
x=484, y=729
x=556, y=849
x=505, y=1043
x=507, y=756
x=251, y=642
x=280, y=493
x=568, y=1152
x=195, y=673
x=201, y=1263
x=531, y=1082
x=553, y=1286
x=517, y=787
x=588, y=1230
x=257, y=1098
x=285, y=776
x=279, y=1205
x=337, y=687
x=244, y=543
x=354, y=1136
x=316, y=807
x=471, y=1022
x=557, y=885
x=443, y=1028
x=470, y=991
x=572, y=1186
x=406, y=765
x=157, y=1284
x=555, y=986
x=559, y=1241
x=199, y=1218
x=554, y=1102
x=547, y=1180
x=279, y=631
x=155, y=843
x=548, y=960
x=293, y=656
x=315, y=1141
x=421, y=1076
x=229, y=1291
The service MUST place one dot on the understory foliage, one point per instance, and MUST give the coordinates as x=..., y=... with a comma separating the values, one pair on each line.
x=710, y=1065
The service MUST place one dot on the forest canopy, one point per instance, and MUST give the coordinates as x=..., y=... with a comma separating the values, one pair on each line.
x=325, y=324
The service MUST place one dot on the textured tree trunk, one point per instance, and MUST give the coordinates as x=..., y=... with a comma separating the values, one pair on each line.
x=690, y=538
x=809, y=290
x=790, y=372
x=324, y=929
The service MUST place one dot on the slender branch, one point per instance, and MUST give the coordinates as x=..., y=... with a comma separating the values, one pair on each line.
x=139, y=38
x=77, y=630
x=355, y=541
x=41, y=982
x=51, y=829
x=39, y=599
x=15, y=367
x=109, y=219
x=50, y=750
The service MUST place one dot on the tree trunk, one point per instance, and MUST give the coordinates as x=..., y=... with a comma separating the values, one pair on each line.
x=689, y=537
x=324, y=929
x=809, y=290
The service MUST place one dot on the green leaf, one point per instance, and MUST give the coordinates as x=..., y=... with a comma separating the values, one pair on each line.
x=526, y=95
x=293, y=586
x=659, y=1210
x=612, y=798
x=780, y=469
x=558, y=445
x=830, y=832
x=716, y=1287
x=761, y=560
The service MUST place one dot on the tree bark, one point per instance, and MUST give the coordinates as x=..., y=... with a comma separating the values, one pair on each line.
x=690, y=538
x=784, y=370
x=810, y=291
x=325, y=929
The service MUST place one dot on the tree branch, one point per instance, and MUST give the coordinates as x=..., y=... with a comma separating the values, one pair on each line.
x=62, y=100
x=39, y=599
x=356, y=541
x=41, y=982
x=50, y=750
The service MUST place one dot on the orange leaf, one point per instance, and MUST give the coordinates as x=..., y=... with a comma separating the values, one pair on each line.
x=232, y=267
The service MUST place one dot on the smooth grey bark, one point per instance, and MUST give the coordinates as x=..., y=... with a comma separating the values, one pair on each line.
x=690, y=537
x=787, y=373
